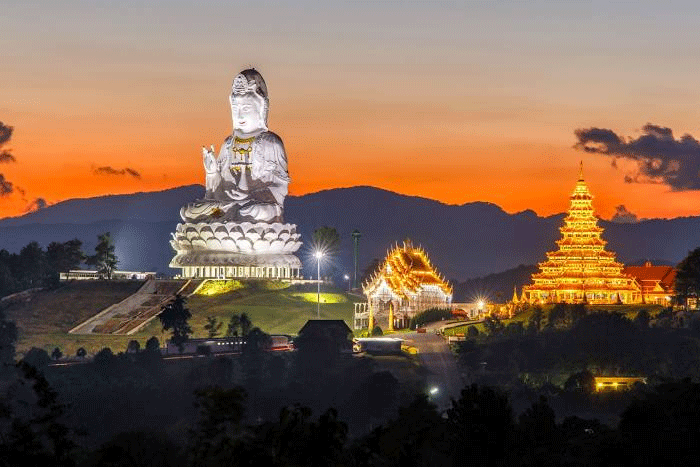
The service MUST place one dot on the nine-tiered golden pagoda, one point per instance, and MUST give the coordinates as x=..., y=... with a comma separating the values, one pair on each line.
x=582, y=270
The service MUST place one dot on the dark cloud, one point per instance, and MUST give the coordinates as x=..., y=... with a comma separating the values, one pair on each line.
x=659, y=156
x=5, y=136
x=623, y=216
x=107, y=170
x=5, y=133
x=6, y=186
x=6, y=156
x=38, y=203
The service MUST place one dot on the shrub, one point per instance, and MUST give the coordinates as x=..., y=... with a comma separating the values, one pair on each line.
x=377, y=331
x=133, y=346
x=38, y=358
x=429, y=316
x=152, y=344
x=472, y=331
x=493, y=325
x=514, y=328
x=56, y=353
x=104, y=356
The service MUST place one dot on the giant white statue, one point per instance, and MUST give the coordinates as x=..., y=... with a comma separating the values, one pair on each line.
x=237, y=230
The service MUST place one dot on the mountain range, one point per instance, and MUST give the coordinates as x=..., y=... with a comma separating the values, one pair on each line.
x=463, y=241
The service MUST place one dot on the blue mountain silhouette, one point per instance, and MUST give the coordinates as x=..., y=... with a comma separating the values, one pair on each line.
x=463, y=241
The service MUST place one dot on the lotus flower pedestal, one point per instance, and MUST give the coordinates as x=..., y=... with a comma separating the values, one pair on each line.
x=236, y=250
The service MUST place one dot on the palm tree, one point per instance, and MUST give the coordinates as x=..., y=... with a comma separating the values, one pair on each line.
x=212, y=327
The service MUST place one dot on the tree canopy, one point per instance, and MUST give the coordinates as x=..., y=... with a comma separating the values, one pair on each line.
x=104, y=258
x=687, y=282
x=174, y=316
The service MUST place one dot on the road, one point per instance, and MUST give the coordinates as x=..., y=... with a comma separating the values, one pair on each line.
x=444, y=374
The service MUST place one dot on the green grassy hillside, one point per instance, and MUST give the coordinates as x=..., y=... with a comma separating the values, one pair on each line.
x=274, y=307
x=44, y=318
x=277, y=308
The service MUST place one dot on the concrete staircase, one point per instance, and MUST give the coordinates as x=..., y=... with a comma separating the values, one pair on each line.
x=134, y=312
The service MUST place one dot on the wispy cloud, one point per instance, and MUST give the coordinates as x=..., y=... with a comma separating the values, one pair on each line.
x=107, y=170
x=6, y=186
x=5, y=136
x=659, y=156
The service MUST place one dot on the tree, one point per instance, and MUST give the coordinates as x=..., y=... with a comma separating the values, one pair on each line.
x=642, y=319
x=152, y=344
x=687, y=281
x=256, y=341
x=104, y=356
x=133, y=346
x=246, y=324
x=8, y=337
x=221, y=411
x=212, y=327
x=81, y=353
x=56, y=353
x=327, y=240
x=174, y=315
x=514, y=328
x=583, y=381
x=104, y=258
x=493, y=325
x=35, y=435
x=370, y=270
x=63, y=257
x=38, y=358
x=32, y=261
x=481, y=424
x=234, y=326
x=136, y=449
x=539, y=434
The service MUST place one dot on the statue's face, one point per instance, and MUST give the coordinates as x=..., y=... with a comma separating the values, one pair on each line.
x=248, y=113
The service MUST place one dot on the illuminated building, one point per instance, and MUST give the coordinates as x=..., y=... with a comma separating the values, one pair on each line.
x=581, y=270
x=656, y=282
x=405, y=284
x=616, y=383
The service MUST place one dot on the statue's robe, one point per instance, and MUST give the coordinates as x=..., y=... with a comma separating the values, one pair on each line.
x=266, y=182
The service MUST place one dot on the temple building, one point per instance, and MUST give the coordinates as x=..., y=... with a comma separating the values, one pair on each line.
x=581, y=270
x=405, y=284
x=656, y=282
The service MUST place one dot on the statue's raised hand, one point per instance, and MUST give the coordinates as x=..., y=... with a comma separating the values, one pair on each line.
x=210, y=165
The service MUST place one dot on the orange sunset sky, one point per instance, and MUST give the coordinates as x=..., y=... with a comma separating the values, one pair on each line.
x=456, y=101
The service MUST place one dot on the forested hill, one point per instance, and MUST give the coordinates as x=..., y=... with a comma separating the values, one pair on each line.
x=495, y=287
x=463, y=241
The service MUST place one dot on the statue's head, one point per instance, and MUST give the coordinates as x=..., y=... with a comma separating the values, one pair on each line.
x=249, y=102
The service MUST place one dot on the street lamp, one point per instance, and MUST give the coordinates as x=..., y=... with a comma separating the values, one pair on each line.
x=347, y=278
x=318, y=255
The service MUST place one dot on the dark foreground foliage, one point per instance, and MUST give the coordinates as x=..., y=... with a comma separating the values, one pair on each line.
x=659, y=428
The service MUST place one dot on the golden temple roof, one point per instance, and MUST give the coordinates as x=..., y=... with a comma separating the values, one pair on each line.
x=405, y=269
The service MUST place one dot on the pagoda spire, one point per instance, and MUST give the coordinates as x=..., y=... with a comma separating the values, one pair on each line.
x=515, y=295
x=580, y=172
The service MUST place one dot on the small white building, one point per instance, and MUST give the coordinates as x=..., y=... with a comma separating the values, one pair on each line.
x=84, y=274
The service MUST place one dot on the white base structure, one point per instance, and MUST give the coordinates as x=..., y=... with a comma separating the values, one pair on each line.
x=236, y=250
